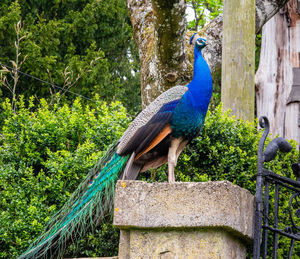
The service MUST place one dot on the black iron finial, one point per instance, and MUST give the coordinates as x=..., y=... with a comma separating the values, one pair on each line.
x=264, y=123
x=272, y=148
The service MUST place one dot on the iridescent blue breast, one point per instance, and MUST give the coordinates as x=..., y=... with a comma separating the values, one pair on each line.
x=187, y=120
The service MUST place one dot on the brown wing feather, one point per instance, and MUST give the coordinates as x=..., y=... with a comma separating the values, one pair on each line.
x=165, y=132
x=146, y=134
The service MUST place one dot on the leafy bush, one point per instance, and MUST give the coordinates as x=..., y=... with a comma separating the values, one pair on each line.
x=46, y=151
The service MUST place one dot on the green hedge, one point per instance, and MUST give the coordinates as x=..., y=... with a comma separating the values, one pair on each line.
x=46, y=151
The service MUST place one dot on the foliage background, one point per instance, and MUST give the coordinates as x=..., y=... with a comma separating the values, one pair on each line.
x=62, y=38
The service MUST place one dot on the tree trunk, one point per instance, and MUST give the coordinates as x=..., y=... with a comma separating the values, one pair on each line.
x=159, y=31
x=166, y=59
x=278, y=75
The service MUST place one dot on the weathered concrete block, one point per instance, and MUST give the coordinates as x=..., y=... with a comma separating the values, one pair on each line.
x=183, y=244
x=183, y=220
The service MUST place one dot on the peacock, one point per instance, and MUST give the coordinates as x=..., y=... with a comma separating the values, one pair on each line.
x=156, y=136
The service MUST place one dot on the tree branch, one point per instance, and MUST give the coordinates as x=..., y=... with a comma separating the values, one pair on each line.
x=265, y=10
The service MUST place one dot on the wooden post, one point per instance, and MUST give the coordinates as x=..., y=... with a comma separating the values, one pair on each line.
x=238, y=58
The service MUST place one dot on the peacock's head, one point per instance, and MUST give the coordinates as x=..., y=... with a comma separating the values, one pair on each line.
x=200, y=43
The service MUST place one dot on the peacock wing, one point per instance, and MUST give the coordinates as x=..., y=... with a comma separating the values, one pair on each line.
x=144, y=117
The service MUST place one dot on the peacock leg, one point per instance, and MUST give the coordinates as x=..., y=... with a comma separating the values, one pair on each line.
x=172, y=158
x=180, y=148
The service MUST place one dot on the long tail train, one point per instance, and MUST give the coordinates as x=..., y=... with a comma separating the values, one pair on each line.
x=92, y=200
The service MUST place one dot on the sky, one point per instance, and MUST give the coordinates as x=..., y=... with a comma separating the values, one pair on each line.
x=189, y=14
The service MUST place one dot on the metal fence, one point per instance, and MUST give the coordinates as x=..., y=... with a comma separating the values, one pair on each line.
x=273, y=191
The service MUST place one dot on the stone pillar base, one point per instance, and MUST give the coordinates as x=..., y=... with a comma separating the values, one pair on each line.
x=183, y=220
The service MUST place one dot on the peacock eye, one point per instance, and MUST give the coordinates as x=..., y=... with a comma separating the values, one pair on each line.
x=200, y=42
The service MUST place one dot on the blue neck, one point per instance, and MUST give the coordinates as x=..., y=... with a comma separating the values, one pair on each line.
x=201, y=85
x=201, y=75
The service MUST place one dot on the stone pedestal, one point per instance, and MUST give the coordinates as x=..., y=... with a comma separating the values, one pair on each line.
x=183, y=220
